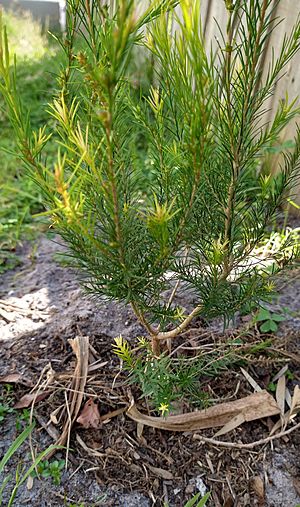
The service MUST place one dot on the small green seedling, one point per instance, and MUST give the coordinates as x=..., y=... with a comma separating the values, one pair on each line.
x=272, y=385
x=4, y=410
x=5, y=402
x=51, y=469
x=268, y=321
x=22, y=418
x=196, y=501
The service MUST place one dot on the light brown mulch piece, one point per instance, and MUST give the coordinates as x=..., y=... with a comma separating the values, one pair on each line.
x=112, y=414
x=255, y=406
x=258, y=487
x=161, y=472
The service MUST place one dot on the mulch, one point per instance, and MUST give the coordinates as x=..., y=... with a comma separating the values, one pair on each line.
x=165, y=466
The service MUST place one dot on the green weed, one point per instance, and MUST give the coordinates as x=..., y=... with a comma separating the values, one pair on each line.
x=196, y=501
x=165, y=380
x=52, y=469
x=268, y=321
x=6, y=401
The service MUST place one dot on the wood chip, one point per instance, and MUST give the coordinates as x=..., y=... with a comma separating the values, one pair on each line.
x=160, y=472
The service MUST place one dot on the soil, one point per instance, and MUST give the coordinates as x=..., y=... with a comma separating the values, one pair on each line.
x=41, y=308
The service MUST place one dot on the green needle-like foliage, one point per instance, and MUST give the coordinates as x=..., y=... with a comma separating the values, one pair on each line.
x=206, y=206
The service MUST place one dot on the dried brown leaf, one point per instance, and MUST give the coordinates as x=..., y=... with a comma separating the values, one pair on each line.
x=280, y=394
x=89, y=417
x=281, y=372
x=288, y=397
x=295, y=405
x=255, y=406
x=11, y=378
x=28, y=399
x=251, y=381
x=234, y=423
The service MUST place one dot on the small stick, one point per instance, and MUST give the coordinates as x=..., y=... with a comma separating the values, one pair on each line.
x=232, y=445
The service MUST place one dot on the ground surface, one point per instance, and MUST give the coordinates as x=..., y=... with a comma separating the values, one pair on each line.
x=42, y=308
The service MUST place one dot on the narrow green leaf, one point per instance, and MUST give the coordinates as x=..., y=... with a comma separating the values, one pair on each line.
x=15, y=446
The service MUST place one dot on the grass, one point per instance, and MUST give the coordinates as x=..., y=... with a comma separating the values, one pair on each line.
x=38, y=64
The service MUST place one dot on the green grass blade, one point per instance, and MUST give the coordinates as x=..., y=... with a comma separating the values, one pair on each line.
x=15, y=446
x=201, y=503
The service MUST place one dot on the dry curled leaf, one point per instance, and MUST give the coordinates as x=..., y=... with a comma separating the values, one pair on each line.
x=89, y=416
x=295, y=405
x=11, y=378
x=280, y=394
x=28, y=399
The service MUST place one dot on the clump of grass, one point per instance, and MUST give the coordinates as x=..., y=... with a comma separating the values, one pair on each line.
x=27, y=39
x=19, y=196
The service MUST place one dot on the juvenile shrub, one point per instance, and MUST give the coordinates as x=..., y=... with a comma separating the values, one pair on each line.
x=197, y=222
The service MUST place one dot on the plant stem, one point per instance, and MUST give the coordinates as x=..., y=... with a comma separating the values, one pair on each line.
x=165, y=335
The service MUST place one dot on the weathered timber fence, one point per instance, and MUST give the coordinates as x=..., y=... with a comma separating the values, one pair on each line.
x=50, y=12
x=288, y=10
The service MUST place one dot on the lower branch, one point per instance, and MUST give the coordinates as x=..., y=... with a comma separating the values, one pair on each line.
x=155, y=335
x=166, y=335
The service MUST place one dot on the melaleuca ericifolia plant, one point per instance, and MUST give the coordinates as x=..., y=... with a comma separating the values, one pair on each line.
x=205, y=207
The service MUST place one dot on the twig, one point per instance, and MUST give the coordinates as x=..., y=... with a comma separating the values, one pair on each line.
x=69, y=428
x=39, y=388
x=232, y=445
